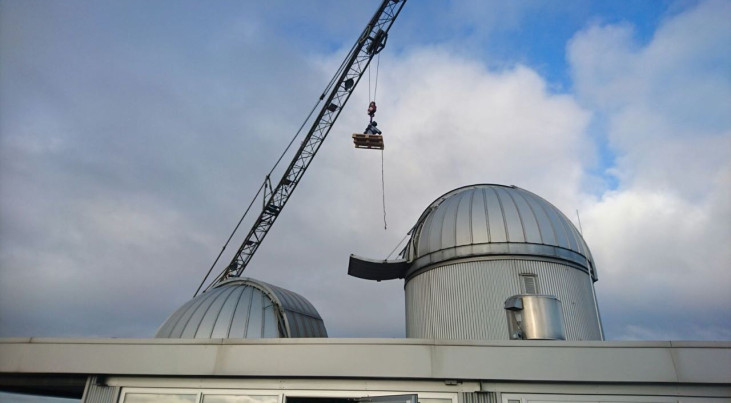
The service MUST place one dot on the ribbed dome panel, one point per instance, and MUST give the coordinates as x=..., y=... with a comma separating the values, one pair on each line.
x=244, y=308
x=491, y=219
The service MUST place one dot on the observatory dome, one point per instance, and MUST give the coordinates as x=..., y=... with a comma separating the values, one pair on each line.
x=244, y=308
x=491, y=262
x=488, y=219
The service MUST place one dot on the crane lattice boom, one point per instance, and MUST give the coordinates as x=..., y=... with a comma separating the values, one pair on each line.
x=370, y=42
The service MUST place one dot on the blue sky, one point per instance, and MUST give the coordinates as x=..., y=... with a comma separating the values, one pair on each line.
x=133, y=134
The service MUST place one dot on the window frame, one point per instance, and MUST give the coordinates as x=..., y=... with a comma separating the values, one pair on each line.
x=283, y=394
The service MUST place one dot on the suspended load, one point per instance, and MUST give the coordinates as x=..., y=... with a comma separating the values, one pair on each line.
x=371, y=137
x=368, y=141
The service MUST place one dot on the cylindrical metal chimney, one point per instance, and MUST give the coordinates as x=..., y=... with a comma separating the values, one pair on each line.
x=534, y=317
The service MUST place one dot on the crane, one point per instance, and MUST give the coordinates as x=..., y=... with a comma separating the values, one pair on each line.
x=370, y=42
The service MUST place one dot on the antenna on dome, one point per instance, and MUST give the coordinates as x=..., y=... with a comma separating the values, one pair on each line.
x=581, y=230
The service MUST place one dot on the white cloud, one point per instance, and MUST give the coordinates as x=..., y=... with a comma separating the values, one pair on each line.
x=114, y=205
x=447, y=122
x=662, y=236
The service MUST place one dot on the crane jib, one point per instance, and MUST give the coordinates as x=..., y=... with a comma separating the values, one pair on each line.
x=370, y=42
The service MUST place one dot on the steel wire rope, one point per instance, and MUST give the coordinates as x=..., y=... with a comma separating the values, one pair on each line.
x=383, y=177
x=375, y=92
x=228, y=240
x=383, y=193
x=375, y=86
x=328, y=87
x=258, y=192
x=307, y=119
x=397, y=245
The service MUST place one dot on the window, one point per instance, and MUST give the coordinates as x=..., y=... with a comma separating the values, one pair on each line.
x=177, y=394
x=160, y=398
x=551, y=398
x=374, y=399
x=159, y=395
x=239, y=399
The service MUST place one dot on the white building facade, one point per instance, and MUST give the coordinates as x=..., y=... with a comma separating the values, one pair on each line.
x=342, y=370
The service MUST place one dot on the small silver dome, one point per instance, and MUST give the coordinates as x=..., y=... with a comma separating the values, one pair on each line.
x=244, y=308
x=490, y=219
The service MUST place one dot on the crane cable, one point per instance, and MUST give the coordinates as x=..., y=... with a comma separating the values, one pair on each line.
x=375, y=85
x=286, y=149
x=228, y=240
x=383, y=193
x=355, y=48
x=397, y=245
x=375, y=92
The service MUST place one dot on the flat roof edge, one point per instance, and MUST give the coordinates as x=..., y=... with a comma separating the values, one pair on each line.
x=543, y=361
x=375, y=341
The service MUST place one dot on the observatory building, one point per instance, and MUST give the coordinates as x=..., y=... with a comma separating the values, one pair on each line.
x=493, y=262
x=500, y=308
x=484, y=262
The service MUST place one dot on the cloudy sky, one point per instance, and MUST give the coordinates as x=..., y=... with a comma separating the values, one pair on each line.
x=134, y=134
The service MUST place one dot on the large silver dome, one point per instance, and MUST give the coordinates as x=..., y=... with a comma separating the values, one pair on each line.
x=488, y=219
x=478, y=246
x=244, y=308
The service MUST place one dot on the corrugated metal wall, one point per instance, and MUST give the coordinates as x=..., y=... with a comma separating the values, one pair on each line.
x=479, y=397
x=465, y=300
x=96, y=393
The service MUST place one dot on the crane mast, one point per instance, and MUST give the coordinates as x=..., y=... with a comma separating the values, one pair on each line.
x=370, y=42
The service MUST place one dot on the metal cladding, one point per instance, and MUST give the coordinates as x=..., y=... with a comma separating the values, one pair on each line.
x=465, y=299
x=482, y=220
x=477, y=246
x=244, y=308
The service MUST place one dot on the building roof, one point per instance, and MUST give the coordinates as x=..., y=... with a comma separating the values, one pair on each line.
x=557, y=361
x=489, y=219
x=244, y=308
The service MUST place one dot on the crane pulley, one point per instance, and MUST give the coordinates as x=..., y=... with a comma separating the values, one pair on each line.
x=370, y=42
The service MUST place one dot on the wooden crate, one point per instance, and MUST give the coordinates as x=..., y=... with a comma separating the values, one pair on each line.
x=368, y=141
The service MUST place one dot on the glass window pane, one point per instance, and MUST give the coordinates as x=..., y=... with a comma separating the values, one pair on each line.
x=159, y=398
x=239, y=399
x=392, y=399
